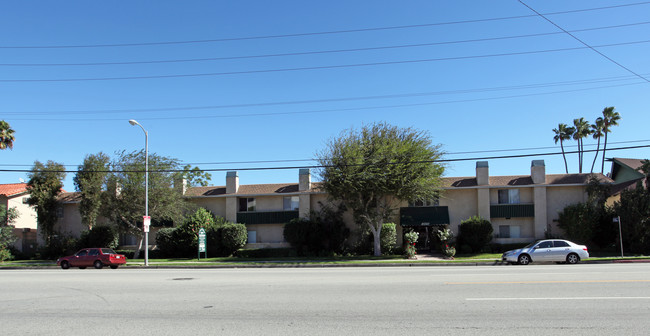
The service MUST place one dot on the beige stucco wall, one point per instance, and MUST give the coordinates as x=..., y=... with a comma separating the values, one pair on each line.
x=462, y=203
x=268, y=233
x=27, y=214
x=216, y=205
x=557, y=198
x=70, y=224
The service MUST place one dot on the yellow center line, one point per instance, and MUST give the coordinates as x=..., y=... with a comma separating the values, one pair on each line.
x=540, y=282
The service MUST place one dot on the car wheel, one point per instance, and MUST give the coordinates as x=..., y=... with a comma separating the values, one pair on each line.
x=98, y=264
x=65, y=265
x=524, y=259
x=572, y=258
x=113, y=266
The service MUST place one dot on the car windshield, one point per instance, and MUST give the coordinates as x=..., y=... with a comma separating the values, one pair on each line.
x=108, y=251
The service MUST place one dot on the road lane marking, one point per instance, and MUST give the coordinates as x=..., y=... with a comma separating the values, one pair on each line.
x=560, y=298
x=539, y=282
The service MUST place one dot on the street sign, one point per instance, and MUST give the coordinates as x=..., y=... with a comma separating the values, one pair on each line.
x=145, y=223
x=202, y=243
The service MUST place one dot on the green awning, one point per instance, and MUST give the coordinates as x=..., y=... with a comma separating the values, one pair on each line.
x=424, y=216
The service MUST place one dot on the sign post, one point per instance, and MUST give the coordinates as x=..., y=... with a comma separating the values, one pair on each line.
x=202, y=243
x=620, y=232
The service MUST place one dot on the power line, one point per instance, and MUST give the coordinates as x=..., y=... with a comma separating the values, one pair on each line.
x=312, y=52
x=323, y=67
x=327, y=100
x=316, y=33
x=259, y=114
x=585, y=44
x=324, y=166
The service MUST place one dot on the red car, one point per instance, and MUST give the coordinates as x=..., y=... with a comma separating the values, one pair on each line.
x=96, y=257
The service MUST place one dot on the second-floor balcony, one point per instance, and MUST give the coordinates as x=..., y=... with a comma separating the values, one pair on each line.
x=512, y=210
x=266, y=217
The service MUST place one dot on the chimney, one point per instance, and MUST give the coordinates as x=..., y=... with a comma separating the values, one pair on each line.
x=482, y=173
x=180, y=185
x=538, y=172
x=304, y=178
x=232, y=182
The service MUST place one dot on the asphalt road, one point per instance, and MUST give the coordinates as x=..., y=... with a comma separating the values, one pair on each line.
x=583, y=299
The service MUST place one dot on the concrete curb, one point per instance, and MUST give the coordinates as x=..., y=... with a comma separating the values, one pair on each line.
x=325, y=265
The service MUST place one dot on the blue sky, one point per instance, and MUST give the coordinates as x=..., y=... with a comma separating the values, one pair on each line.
x=283, y=77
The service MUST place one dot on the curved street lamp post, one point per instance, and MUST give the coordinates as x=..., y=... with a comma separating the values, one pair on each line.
x=146, y=218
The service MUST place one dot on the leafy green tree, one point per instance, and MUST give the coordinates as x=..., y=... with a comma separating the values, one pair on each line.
x=124, y=200
x=590, y=222
x=7, y=236
x=6, y=135
x=610, y=118
x=372, y=169
x=563, y=132
x=582, y=130
x=597, y=131
x=44, y=186
x=634, y=211
x=195, y=176
x=89, y=182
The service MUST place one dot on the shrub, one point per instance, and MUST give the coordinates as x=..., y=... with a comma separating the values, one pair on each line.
x=99, y=236
x=61, y=244
x=324, y=233
x=388, y=238
x=475, y=232
x=233, y=237
x=165, y=242
x=410, y=239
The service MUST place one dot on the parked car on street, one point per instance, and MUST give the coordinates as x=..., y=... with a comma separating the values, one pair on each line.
x=557, y=250
x=96, y=257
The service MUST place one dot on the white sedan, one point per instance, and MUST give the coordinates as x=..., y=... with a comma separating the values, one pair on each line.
x=547, y=250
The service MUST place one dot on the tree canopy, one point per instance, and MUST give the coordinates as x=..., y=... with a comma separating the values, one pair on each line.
x=44, y=185
x=6, y=135
x=372, y=169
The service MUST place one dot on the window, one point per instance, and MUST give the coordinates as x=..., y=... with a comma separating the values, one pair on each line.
x=246, y=204
x=291, y=203
x=560, y=243
x=59, y=212
x=94, y=252
x=509, y=231
x=546, y=244
x=509, y=196
x=424, y=203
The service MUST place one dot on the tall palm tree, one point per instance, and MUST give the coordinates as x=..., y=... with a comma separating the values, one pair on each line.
x=610, y=118
x=563, y=132
x=6, y=135
x=582, y=131
x=597, y=131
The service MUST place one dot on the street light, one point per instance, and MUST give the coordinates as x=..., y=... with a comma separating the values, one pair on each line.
x=146, y=192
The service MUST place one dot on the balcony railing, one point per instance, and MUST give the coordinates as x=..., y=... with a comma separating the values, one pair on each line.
x=424, y=216
x=512, y=210
x=266, y=217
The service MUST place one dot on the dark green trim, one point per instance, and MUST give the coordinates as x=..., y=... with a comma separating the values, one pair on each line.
x=267, y=217
x=424, y=216
x=512, y=210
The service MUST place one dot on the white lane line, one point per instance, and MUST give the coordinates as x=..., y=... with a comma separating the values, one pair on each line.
x=562, y=298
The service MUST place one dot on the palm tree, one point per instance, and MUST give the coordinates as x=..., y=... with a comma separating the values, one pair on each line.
x=597, y=130
x=610, y=118
x=582, y=130
x=6, y=135
x=563, y=132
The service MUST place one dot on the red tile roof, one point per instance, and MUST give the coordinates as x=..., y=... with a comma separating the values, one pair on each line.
x=12, y=189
